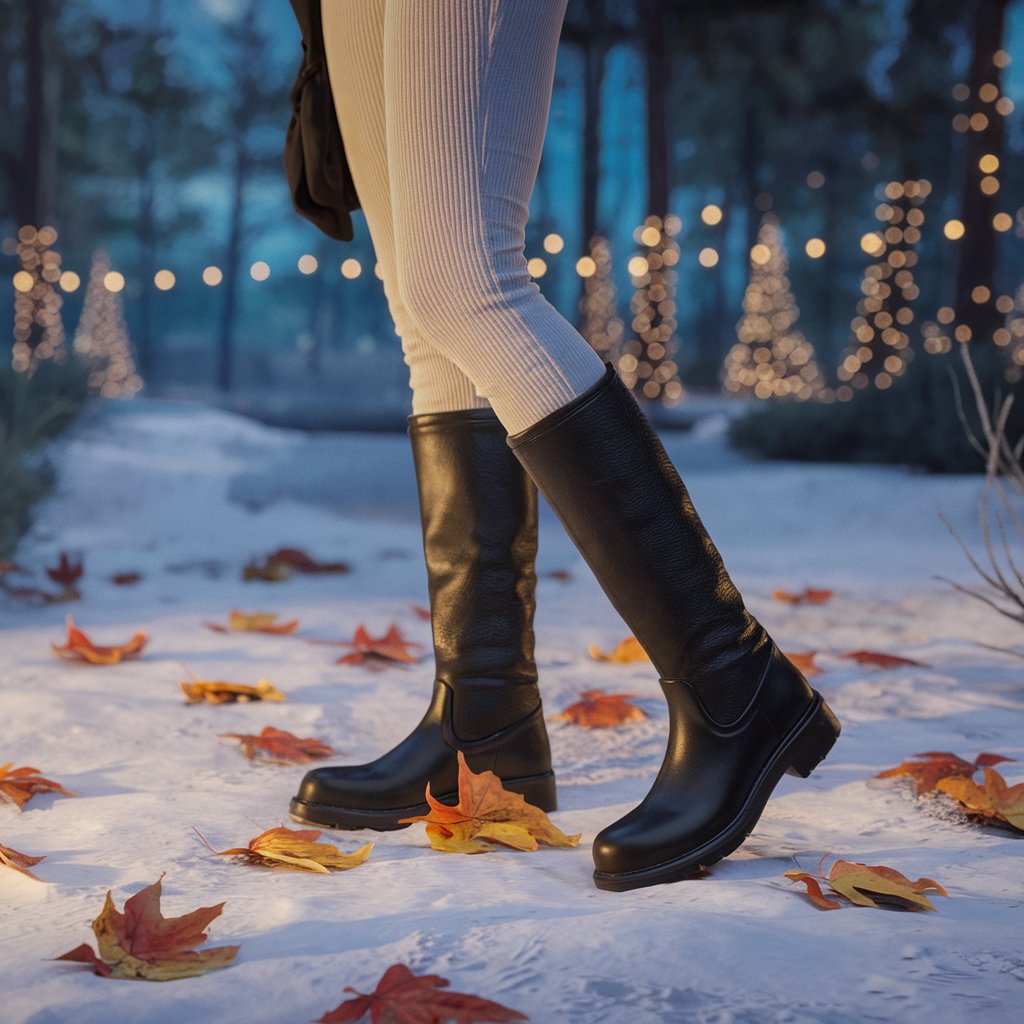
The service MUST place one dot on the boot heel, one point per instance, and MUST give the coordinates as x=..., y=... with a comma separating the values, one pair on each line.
x=539, y=790
x=814, y=741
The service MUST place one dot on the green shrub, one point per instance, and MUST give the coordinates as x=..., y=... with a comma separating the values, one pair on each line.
x=914, y=422
x=32, y=410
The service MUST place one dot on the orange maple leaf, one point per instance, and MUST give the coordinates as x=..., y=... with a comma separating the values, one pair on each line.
x=280, y=745
x=421, y=612
x=143, y=944
x=254, y=622
x=809, y=595
x=297, y=849
x=804, y=660
x=993, y=802
x=66, y=573
x=378, y=652
x=866, y=886
x=487, y=813
x=880, y=659
x=628, y=650
x=217, y=691
x=79, y=648
x=280, y=564
x=934, y=765
x=600, y=710
x=21, y=784
x=19, y=861
x=402, y=997
x=125, y=579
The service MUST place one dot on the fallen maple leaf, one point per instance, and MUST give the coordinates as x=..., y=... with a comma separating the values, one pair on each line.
x=124, y=579
x=993, y=802
x=279, y=745
x=280, y=564
x=378, y=652
x=880, y=659
x=402, y=997
x=66, y=573
x=21, y=784
x=804, y=660
x=216, y=691
x=487, y=811
x=562, y=575
x=866, y=886
x=79, y=648
x=809, y=595
x=935, y=765
x=19, y=861
x=629, y=650
x=255, y=622
x=297, y=849
x=420, y=612
x=143, y=944
x=37, y=596
x=600, y=710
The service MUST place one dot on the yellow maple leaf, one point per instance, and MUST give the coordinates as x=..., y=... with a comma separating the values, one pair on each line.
x=627, y=651
x=487, y=811
x=298, y=849
x=867, y=886
x=992, y=801
x=216, y=691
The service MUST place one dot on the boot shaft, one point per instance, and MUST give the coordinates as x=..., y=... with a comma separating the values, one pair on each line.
x=478, y=510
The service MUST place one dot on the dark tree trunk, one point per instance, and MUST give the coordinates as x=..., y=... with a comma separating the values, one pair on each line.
x=36, y=184
x=232, y=272
x=594, y=59
x=977, y=262
x=657, y=70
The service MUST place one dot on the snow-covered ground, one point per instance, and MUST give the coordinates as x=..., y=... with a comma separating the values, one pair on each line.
x=186, y=496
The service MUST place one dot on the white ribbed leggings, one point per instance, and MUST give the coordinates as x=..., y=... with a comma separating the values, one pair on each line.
x=443, y=106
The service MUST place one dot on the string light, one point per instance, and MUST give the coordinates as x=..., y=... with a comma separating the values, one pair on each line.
x=212, y=276
x=102, y=335
x=879, y=349
x=351, y=269
x=553, y=243
x=600, y=323
x=38, y=325
x=647, y=361
x=771, y=358
x=536, y=267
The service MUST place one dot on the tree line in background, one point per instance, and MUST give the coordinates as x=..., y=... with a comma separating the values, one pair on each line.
x=791, y=113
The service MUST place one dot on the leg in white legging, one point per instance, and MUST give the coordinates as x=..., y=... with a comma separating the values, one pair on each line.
x=354, y=41
x=466, y=93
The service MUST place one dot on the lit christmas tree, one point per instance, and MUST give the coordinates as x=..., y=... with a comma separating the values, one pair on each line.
x=600, y=324
x=771, y=358
x=38, y=326
x=880, y=347
x=646, y=364
x=102, y=335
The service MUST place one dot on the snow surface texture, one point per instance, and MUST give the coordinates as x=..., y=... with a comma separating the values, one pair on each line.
x=187, y=496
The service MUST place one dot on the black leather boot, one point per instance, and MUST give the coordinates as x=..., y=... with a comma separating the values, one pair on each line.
x=479, y=516
x=740, y=713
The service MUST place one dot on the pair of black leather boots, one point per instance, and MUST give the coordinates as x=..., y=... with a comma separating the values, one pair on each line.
x=740, y=713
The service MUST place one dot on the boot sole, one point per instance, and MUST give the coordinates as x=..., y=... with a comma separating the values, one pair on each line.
x=800, y=753
x=539, y=790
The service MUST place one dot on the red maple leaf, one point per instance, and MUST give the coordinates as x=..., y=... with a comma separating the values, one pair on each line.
x=880, y=659
x=402, y=997
x=65, y=573
x=378, y=652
